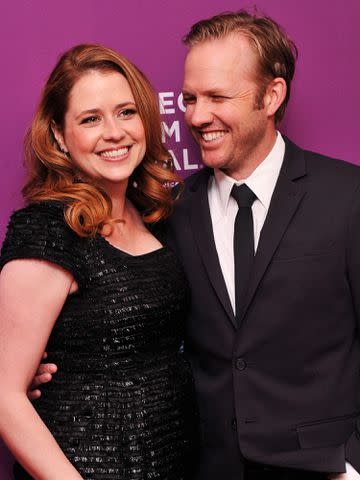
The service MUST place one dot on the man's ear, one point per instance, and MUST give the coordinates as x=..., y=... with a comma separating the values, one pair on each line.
x=59, y=137
x=275, y=95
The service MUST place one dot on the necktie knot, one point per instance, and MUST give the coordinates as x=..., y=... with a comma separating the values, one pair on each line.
x=244, y=196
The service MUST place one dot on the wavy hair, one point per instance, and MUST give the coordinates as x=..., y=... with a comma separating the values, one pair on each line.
x=53, y=176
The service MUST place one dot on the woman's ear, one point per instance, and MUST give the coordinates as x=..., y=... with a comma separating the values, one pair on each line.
x=59, y=137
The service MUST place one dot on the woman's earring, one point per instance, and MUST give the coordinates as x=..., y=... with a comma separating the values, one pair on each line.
x=64, y=151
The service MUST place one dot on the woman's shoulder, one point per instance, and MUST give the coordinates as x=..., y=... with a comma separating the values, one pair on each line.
x=40, y=231
x=39, y=223
x=44, y=218
x=42, y=211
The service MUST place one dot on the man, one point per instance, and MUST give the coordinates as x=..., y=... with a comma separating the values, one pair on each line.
x=271, y=336
x=277, y=369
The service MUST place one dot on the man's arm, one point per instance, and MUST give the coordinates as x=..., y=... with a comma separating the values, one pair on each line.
x=352, y=447
x=351, y=474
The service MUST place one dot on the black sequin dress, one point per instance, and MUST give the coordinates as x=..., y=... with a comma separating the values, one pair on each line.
x=122, y=403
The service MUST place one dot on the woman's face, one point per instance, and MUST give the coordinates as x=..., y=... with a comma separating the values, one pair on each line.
x=103, y=132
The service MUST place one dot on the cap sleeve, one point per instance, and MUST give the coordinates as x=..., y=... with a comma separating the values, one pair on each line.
x=40, y=231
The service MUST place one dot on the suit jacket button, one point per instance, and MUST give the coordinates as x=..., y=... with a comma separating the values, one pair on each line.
x=240, y=364
x=234, y=424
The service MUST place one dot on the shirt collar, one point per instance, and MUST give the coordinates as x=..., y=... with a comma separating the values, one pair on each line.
x=262, y=180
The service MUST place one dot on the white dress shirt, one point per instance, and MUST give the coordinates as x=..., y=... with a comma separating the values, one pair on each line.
x=223, y=210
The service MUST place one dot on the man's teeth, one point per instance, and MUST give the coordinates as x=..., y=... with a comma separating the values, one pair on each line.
x=211, y=136
x=115, y=153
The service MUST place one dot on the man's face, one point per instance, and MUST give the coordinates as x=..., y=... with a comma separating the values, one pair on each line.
x=220, y=93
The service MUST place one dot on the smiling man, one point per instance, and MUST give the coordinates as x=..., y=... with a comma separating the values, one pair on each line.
x=269, y=236
x=224, y=105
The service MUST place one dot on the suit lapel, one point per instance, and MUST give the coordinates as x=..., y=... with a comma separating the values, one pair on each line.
x=285, y=201
x=203, y=233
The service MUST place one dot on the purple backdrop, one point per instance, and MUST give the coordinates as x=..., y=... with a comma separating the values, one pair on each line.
x=321, y=115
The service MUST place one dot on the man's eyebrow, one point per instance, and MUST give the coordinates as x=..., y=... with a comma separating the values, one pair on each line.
x=209, y=93
x=216, y=92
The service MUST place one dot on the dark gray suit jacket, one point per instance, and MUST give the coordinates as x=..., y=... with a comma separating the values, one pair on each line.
x=283, y=387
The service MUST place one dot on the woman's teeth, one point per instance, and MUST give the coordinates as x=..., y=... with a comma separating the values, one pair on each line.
x=115, y=153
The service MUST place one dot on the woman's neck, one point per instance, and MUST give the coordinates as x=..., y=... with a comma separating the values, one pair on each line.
x=117, y=194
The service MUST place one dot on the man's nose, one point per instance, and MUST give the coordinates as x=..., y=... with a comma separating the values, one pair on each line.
x=113, y=130
x=199, y=114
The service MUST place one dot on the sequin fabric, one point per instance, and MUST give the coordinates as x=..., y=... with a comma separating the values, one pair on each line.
x=122, y=403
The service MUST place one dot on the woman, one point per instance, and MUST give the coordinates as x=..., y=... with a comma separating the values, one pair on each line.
x=84, y=278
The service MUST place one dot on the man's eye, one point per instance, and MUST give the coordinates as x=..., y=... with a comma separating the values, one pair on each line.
x=91, y=119
x=218, y=98
x=188, y=100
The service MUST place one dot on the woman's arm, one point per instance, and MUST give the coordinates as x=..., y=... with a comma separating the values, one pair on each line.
x=32, y=293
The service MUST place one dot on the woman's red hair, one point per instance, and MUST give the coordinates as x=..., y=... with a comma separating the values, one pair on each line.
x=53, y=176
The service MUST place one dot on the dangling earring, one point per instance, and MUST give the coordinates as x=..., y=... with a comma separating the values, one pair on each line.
x=64, y=151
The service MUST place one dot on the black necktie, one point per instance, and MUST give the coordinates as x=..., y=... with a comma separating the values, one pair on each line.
x=243, y=243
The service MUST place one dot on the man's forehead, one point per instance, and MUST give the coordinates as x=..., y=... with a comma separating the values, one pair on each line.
x=208, y=80
x=233, y=45
x=216, y=64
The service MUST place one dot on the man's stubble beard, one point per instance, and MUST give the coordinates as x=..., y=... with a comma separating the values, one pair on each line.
x=244, y=155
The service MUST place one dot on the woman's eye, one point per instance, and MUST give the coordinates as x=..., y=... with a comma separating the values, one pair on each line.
x=91, y=119
x=127, y=112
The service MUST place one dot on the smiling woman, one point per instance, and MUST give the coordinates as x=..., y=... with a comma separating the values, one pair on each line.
x=106, y=142
x=73, y=100
x=109, y=311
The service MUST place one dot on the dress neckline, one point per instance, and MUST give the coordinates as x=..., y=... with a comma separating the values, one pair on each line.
x=128, y=254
